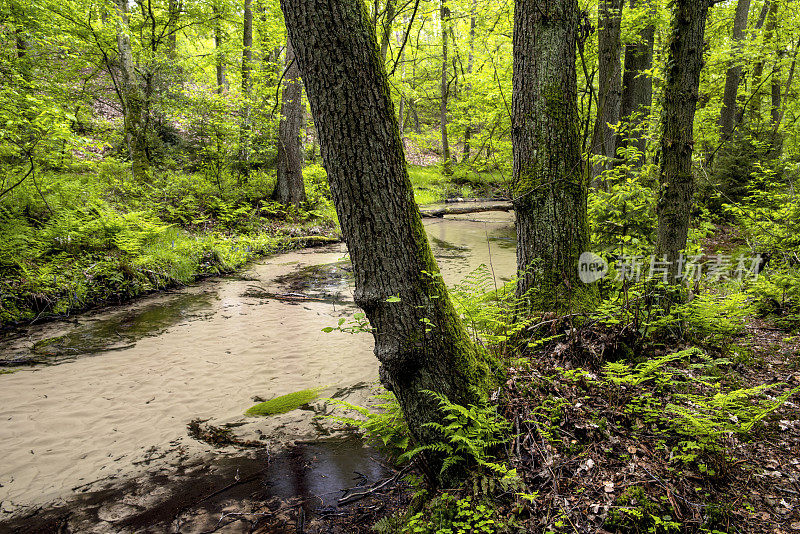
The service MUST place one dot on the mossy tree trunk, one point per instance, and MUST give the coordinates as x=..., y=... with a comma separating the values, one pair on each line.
x=419, y=340
x=549, y=184
x=609, y=94
x=637, y=83
x=289, y=187
x=684, y=63
x=727, y=116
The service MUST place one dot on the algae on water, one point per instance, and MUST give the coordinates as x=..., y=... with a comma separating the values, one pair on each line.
x=285, y=403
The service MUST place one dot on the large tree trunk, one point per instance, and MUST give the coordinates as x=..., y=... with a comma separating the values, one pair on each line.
x=247, y=60
x=609, y=94
x=419, y=340
x=444, y=87
x=289, y=188
x=134, y=103
x=637, y=84
x=549, y=185
x=684, y=63
x=727, y=116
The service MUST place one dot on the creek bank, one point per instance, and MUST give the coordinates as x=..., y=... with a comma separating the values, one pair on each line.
x=106, y=291
x=205, y=352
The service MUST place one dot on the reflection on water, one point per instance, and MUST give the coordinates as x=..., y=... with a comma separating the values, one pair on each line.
x=125, y=328
x=202, y=352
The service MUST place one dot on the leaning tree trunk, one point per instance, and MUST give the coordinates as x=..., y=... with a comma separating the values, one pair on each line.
x=549, y=185
x=637, y=85
x=684, y=63
x=289, y=188
x=727, y=116
x=132, y=98
x=609, y=92
x=419, y=339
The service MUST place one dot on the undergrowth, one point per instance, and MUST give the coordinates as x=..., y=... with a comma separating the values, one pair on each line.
x=81, y=240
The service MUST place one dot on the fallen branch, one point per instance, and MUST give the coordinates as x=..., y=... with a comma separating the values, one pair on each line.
x=459, y=210
x=360, y=495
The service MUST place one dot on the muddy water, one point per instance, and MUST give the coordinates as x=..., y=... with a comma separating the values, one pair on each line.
x=109, y=395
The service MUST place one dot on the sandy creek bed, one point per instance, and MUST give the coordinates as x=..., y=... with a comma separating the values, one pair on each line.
x=112, y=402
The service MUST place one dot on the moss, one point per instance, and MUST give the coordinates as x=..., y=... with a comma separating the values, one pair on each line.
x=7, y=371
x=285, y=403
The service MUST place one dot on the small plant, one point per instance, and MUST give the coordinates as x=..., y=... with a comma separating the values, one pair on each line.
x=469, y=436
x=357, y=325
x=383, y=423
x=448, y=515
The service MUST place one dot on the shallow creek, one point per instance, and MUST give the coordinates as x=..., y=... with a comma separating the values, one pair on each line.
x=106, y=397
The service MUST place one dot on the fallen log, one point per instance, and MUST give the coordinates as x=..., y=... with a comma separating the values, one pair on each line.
x=460, y=210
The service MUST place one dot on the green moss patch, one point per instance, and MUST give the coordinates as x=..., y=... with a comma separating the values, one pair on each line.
x=285, y=403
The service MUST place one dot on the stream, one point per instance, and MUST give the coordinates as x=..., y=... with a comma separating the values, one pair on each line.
x=97, y=417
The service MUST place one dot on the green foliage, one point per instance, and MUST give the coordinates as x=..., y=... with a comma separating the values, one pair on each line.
x=357, y=325
x=285, y=403
x=78, y=240
x=383, y=423
x=634, y=512
x=448, y=515
x=486, y=310
x=711, y=318
x=469, y=437
x=701, y=412
x=622, y=214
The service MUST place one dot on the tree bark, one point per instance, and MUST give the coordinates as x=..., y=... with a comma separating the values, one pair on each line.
x=419, y=340
x=470, y=60
x=727, y=116
x=777, y=137
x=388, y=19
x=247, y=60
x=609, y=94
x=637, y=85
x=289, y=187
x=549, y=185
x=134, y=103
x=222, y=82
x=684, y=63
x=758, y=70
x=444, y=88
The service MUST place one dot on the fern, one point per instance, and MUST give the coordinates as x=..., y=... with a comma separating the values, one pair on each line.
x=469, y=435
x=383, y=424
